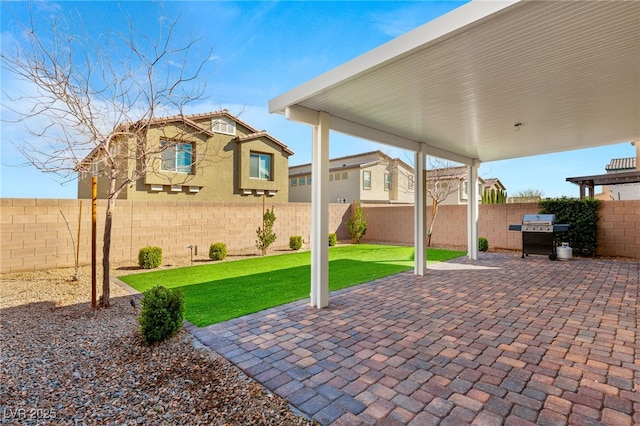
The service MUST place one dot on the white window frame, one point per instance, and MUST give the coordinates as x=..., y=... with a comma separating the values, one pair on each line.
x=411, y=183
x=176, y=148
x=294, y=182
x=301, y=181
x=308, y=180
x=260, y=155
x=366, y=173
x=223, y=125
x=387, y=182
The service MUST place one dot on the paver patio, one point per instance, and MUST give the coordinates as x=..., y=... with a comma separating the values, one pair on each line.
x=502, y=340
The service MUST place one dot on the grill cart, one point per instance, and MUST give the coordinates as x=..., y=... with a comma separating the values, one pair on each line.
x=539, y=234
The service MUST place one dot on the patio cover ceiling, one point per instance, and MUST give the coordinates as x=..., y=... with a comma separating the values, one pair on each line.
x=568, y=72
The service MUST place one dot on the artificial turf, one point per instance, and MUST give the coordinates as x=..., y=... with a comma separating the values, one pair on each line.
x=216, y=292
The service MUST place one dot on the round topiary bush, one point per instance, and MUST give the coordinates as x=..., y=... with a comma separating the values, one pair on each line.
x=150, y=257
x=333, y=239
x=217, y=251
x=483, y=244
x=295, y=242
x=161, y=315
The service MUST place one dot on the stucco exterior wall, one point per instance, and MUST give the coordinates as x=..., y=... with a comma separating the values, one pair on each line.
x=221, y=173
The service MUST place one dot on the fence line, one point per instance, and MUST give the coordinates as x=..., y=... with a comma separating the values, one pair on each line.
x=34, y=235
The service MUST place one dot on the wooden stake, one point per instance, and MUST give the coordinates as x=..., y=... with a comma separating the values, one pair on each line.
x=94, y=223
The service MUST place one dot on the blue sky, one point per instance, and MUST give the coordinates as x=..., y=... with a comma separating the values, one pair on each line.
x=261, y=50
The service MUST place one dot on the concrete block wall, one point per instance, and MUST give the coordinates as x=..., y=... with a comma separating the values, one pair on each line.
x=618, y=227
x=34, y=235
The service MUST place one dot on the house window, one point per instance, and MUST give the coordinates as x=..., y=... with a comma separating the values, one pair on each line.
x=301, y=181
x=345, y=175
x=223, y=125
x=337, y=176
x=387, y=182
x=464, y=192
x=260, y=166
x=177, y=157
x=366, y=179
x=411, y=183
x=294, y=181
x=330, y=177
x=308, y=180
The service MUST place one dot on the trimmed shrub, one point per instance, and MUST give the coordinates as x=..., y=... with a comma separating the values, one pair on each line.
x=333, y=239
x=483, y=244
x=357, y=223
x=150, y=257
x=161, y=315
x=295, y=242
x=217, y=251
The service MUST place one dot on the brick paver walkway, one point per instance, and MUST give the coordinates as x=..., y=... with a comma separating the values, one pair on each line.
x=523, y=341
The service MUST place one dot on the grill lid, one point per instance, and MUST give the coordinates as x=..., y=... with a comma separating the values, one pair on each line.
x=538, y=219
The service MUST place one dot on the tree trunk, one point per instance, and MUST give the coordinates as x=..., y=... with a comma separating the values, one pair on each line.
x=434, y=212
x=106, y=248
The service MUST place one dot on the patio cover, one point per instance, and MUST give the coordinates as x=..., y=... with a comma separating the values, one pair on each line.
x=488, y=81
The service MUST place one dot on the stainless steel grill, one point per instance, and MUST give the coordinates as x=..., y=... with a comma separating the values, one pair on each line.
x=538, y=234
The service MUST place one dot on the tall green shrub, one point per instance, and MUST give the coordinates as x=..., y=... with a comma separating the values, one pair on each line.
x=150, y=257
x=582, y=217
x=161, y=315
x=493, y=196
x=265, y=234
x=357, y=223
x=333, y=239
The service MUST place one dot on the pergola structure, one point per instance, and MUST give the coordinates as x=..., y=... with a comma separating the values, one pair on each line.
x=590, y=182
x=491, y=80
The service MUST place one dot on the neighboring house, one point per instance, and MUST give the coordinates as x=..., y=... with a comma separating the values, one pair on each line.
x=238, y=162
x=371, y=177
x=623, y=191
x=454, y=182
x=493, y=183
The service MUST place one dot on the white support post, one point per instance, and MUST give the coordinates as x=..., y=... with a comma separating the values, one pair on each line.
x=419, y=241
x=472, y=210
x=320, y=213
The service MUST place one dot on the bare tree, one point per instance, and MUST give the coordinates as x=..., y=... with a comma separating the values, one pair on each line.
x=443, y=179
x=94, y=100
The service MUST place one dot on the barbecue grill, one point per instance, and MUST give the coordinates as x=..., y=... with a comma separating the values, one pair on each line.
x=538, y=234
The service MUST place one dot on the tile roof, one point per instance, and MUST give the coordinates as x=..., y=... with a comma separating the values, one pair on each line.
x=618, y=164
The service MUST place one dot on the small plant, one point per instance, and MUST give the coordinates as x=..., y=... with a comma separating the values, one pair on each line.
x=333, y=239
x=161, y=315
x=266, y=236
x=295, y=242
x=150, y=257
x=357, y=224
x=217, y=251
x=483, y=244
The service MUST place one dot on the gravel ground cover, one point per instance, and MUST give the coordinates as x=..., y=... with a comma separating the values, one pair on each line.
x=63, y=363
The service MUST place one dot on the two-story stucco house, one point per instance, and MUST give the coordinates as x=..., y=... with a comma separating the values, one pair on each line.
x=370, y=177
x=451, y=185
x=235, y=162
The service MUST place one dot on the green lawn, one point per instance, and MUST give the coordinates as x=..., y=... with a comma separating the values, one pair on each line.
x=217, y=292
